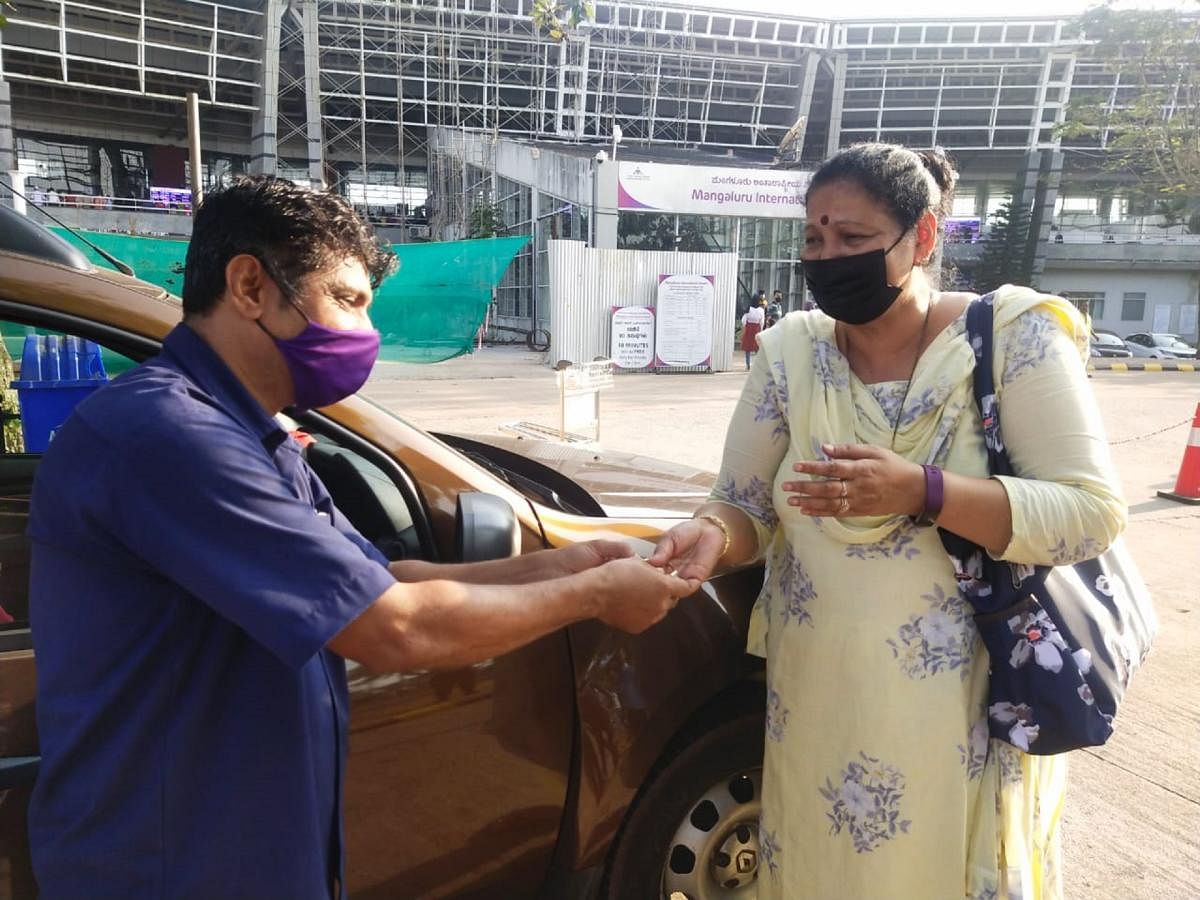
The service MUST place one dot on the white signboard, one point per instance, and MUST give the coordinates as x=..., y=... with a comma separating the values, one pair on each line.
x=1187, y=321
x=683, y=331
x=1162, y=317
x=632, y=345
x=711, y=190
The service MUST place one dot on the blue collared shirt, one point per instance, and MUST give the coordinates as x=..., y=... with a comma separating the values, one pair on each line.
x=188, y=570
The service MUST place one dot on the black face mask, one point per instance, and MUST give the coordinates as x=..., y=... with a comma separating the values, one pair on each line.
x=852, y=289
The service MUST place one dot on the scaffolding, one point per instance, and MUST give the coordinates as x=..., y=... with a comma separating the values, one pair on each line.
x=346, y=93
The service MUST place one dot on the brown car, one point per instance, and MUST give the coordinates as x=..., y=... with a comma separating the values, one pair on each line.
x=588, y=764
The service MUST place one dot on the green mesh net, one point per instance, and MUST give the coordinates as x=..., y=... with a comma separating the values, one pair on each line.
x=428, y=311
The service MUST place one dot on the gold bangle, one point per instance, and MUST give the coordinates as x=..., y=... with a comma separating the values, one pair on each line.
x=720, y=523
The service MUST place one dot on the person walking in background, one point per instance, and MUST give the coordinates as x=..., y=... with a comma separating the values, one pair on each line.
x=774, y=309
x=857, y=437
x=752, y=324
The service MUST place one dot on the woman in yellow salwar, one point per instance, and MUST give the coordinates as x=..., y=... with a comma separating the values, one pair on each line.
x=857, y=431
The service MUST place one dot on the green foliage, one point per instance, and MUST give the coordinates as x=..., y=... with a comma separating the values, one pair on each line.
x=3, y=6
x=486, y=220
x=1151, y=134
x=657, y=232
x=1008, y=249
x=556, y=18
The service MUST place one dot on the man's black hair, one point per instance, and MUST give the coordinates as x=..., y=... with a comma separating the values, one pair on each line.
x=292, y=230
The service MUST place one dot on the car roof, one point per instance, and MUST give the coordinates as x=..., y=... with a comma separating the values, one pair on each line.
x=19, y=234
x=36, y=271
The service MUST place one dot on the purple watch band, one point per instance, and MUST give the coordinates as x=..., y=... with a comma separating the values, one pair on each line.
x=935, y=495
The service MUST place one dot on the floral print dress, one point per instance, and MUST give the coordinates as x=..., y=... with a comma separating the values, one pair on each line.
x=879, y=778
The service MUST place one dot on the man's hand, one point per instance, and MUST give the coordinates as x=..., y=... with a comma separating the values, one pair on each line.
x=634, y=594
x=575, y=558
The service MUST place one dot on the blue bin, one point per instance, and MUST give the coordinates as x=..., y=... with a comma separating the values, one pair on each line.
x=57, y=372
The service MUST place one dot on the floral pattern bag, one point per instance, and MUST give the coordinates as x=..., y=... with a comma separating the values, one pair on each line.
x=1063, y=640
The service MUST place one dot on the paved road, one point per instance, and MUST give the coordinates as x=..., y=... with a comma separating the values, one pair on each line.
x=1132, y=824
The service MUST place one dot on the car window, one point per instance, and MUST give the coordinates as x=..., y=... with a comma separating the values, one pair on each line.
x=43, y=375
x=382, y=505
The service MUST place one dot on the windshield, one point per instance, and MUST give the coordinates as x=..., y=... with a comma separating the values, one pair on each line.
x=1109, y=339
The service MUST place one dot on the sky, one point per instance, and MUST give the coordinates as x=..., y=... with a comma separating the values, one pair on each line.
x=908, y=9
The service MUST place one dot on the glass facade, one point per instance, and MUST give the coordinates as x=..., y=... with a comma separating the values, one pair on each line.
x=768, y=249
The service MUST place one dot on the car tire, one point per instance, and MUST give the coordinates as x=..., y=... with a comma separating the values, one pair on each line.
x=694, y=829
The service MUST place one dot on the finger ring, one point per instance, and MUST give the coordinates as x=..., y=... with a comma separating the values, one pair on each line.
x=845, y=490
x=844, y=506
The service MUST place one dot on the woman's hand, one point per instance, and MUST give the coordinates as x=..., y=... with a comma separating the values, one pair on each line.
x=691, y=549
x=861, y=480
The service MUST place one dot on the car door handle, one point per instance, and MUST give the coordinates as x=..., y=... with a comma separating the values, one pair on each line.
x=16, y=771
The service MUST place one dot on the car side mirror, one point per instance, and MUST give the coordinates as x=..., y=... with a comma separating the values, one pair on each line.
x=485, y=527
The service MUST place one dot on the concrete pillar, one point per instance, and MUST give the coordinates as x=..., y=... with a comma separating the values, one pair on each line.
x=8, y=149
x=835, y=111
x=264, y=149
x=1042, y=209
x=312, y=95
x=983, y=193
x=804, y=105
x=606, y=215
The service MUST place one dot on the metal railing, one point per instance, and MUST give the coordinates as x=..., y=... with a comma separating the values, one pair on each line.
x=53, y=199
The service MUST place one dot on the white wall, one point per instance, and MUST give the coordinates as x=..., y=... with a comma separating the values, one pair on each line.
x=585, y=284
x=1174, y=289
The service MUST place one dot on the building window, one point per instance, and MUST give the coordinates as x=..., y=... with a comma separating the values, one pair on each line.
x=1133, y=307
x=1090, y=303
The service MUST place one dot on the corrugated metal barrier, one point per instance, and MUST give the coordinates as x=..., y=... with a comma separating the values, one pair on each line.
x=587, y=282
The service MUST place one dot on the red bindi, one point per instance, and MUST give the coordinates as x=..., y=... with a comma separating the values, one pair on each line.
x=824, y=220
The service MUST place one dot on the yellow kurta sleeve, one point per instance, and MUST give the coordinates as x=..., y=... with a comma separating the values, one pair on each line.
x=754, y=447
x=1066, y=503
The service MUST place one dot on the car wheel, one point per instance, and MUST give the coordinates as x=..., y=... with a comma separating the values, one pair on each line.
x=693, y=834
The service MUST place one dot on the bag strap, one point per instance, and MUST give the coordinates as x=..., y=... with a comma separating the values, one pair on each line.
x=981, y=334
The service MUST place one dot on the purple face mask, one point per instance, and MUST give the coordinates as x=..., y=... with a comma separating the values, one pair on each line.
x=327, y=365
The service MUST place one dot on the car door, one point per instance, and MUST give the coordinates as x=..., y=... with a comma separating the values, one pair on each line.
x=456, y=780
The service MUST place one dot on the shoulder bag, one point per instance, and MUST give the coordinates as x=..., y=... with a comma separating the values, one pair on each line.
x=1063, y=640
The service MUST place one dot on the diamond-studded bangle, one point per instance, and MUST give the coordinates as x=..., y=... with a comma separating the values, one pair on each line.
x=935, y=496
x=720, y=523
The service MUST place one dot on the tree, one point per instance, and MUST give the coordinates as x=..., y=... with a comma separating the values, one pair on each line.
x=3, y=6
x=697, y=234
x=486, y=220
x=557, y=17
x=1008, y=249
x=1149, y=126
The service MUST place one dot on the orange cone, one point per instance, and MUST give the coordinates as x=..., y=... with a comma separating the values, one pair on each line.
x=1187, y=487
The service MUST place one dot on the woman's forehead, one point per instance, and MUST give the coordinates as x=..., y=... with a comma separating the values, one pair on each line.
x=842, y=199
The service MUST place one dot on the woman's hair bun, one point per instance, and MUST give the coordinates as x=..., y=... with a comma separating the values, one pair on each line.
x=940, y=167
x=945, y=176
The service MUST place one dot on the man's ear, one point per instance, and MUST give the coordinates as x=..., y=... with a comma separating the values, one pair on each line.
x=248, y=287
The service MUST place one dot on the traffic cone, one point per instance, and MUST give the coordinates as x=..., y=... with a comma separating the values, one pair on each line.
x=1187, y=487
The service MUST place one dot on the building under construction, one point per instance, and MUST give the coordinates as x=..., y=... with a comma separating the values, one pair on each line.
x=411, y=107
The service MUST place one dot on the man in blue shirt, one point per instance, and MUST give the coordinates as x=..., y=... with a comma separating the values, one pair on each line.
x=194, y=590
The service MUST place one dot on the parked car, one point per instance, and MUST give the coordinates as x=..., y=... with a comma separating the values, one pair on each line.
x=1169, y=344
x=1144, y=351
x=591, y=763
x=1107, y=344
